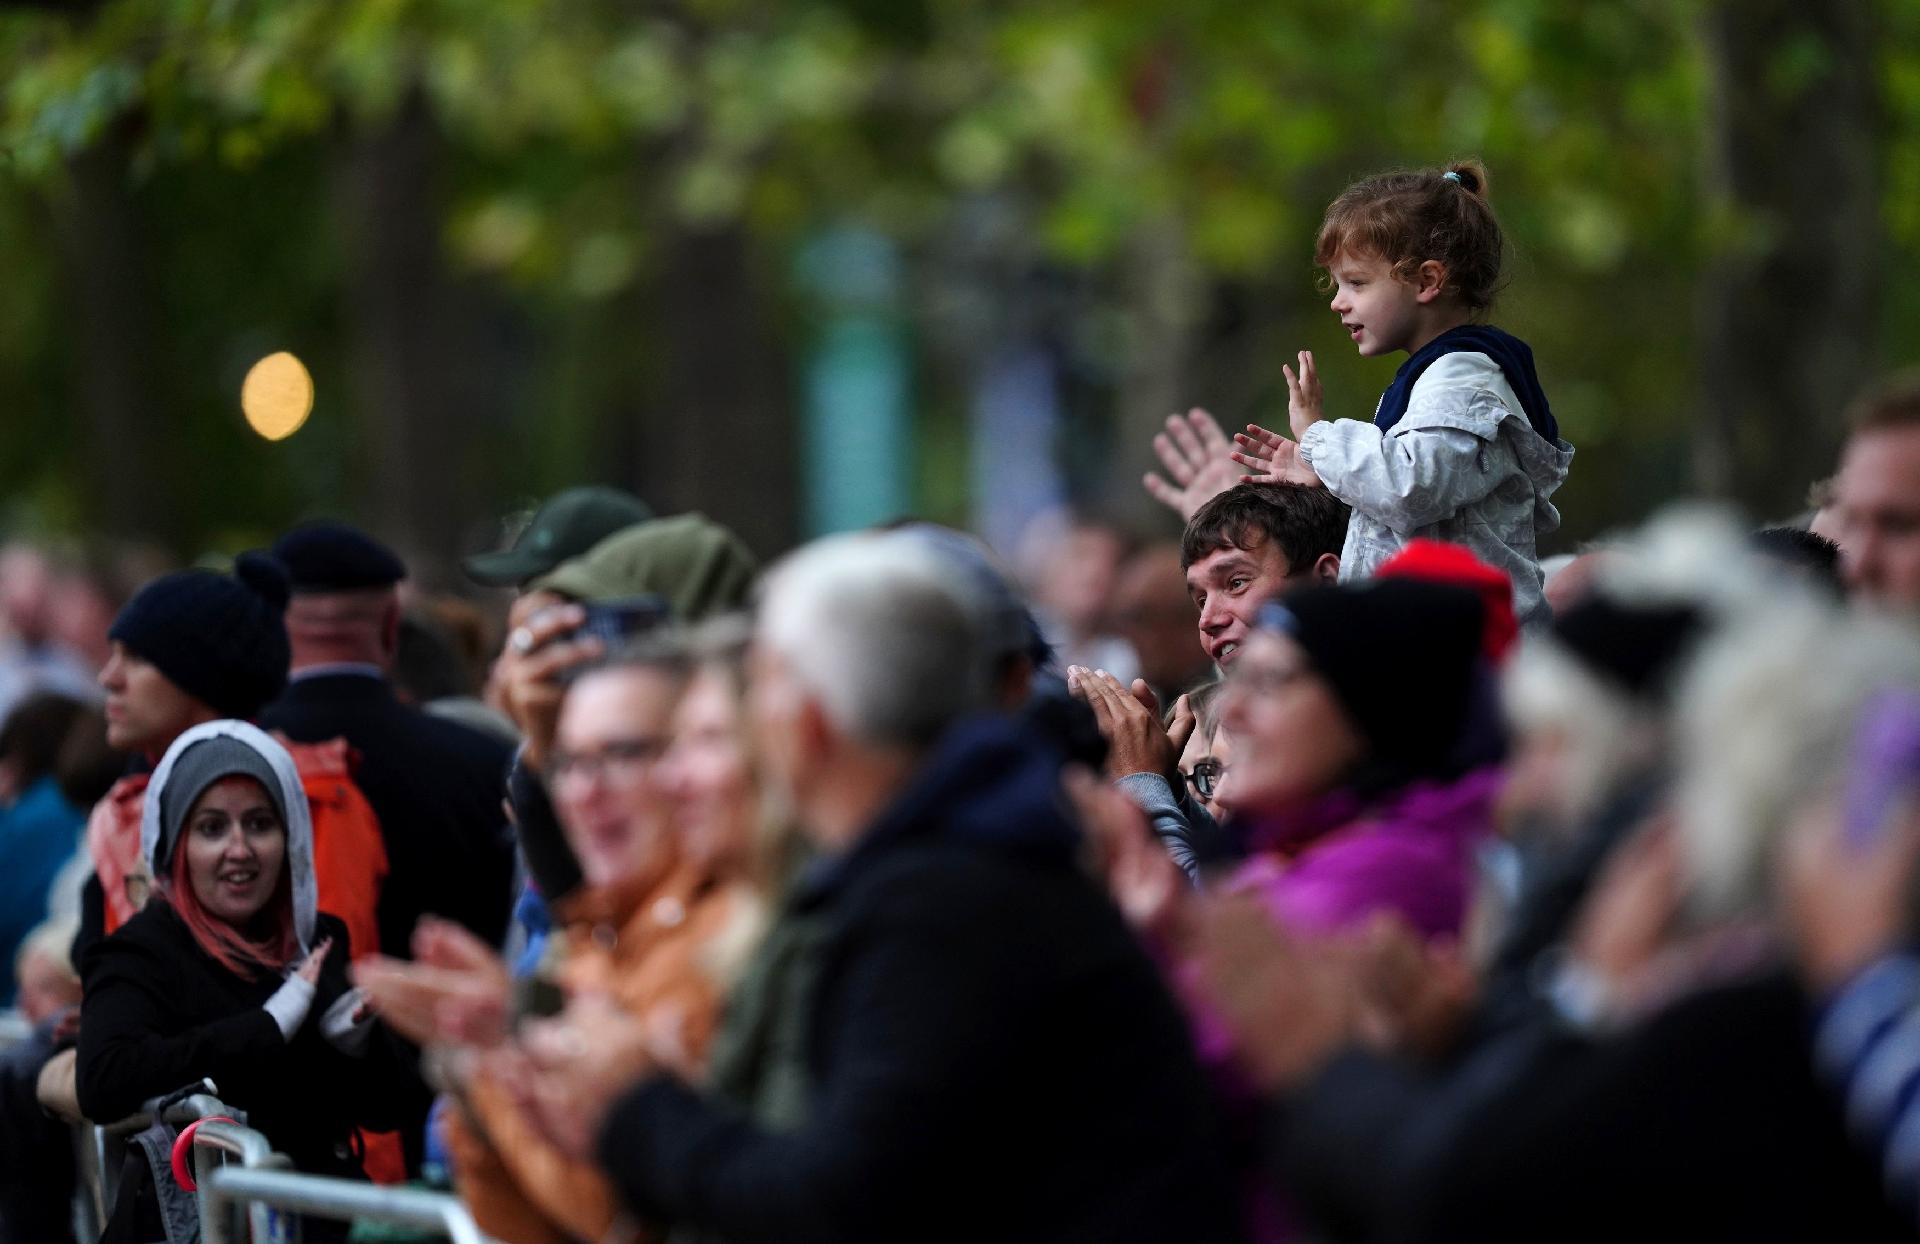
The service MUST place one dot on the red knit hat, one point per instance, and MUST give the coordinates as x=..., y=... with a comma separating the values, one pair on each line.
x=1436, y=561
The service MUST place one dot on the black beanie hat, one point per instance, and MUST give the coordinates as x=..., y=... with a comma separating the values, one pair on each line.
x=1400, y=656
x=1637, y=647
x=222, y=639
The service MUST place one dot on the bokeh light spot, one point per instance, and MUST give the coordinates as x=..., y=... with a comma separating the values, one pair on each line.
x=277, y=396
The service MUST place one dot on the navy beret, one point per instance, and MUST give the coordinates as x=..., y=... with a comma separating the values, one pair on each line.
x=327, y=556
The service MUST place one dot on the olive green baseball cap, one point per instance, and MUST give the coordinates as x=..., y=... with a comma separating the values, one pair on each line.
x=565, y=526
x=700, y=567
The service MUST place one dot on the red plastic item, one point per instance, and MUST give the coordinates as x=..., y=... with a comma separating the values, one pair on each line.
x=183, y=1151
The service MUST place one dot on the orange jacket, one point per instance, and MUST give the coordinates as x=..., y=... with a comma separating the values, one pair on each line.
x=652, y=947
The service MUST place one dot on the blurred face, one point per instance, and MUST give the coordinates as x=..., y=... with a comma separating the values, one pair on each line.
x=1152, y=612
x=44, y=988
x=705, y=772
x=25, y=583
x=236, y=848
x=145, y=711
x=1203, y=765
x=1380, y=311
x=604, y=774
x=776, y=709
x=1877, y=504
x=1291, y=740
x=1080, y=579
x=1229, y=585
x=81, y=616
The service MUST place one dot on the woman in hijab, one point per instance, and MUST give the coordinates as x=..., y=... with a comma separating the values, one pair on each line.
x=229, y=972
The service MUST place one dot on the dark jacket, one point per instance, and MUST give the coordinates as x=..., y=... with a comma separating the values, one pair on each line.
x=161, y=1013
x=437, y=788
x=36, y=1150
x=1703, y=1122
x=992, y=1055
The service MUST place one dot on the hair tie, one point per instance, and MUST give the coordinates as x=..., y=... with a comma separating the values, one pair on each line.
x=1452, y=176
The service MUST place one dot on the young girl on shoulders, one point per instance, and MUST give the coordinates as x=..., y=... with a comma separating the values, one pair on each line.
x=1462, y=447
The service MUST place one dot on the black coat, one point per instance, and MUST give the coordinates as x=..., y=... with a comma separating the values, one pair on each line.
x=1705, y=1122
x=992, y=1055
x=437, y=788
x=36, y=1151
x=160, y=1013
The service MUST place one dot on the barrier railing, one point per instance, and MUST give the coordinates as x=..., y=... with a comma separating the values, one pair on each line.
x=214, y=1142
x=101, y=1152
x=343, y=1199
x=235, y=1166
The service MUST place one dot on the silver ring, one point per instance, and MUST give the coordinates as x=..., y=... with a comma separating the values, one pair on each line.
x=521, y=641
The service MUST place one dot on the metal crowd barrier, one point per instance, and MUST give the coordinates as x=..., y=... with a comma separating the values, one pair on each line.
x=236, y=1167
x=101, y=1152
x=343, y=1199
x=216, y=1141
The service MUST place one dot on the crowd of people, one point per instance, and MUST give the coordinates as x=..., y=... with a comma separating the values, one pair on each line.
x=1341, y=872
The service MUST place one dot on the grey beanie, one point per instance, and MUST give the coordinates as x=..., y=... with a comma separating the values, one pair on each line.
x=198, y=767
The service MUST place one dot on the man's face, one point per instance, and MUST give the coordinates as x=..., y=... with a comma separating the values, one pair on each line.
x=145, y=710
x=1877, y=500
x=1229, y=585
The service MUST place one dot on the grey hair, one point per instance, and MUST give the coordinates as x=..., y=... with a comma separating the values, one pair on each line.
x=878, y=629
x=1693, y=555
x=1767, y=723
x=1608, y=736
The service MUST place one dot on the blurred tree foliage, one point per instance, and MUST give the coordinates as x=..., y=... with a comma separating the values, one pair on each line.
x=525, y=242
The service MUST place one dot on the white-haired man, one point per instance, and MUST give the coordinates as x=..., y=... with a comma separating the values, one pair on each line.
x=990, y=1054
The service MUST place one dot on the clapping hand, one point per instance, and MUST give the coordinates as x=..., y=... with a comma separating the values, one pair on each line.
x=1303, y=395
x=1848, y=900
x=1129, y=720
x=580, y=1063
x=1196, y=453
x=455, y=990
x=1272, y=458
x=1289, y=1002
x=1141, y=876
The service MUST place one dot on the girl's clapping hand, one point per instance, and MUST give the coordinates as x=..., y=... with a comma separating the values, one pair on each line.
x=1271, y=458
x=1303, y=395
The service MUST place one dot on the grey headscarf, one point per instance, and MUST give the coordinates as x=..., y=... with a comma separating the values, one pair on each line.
x=201, y=757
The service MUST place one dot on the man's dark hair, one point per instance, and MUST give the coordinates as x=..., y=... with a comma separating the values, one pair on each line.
x=1303, y=520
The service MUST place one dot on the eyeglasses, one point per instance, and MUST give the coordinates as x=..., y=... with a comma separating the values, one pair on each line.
x=1205, y=776
x=620, y=762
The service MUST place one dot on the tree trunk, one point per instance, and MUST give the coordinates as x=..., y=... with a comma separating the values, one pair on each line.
x=1790, y=296
x=721, y=434
x=402, y=345
x=130, y=466
x=1166, y=301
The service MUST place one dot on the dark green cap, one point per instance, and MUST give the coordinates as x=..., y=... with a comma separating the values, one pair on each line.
x=569, y=524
